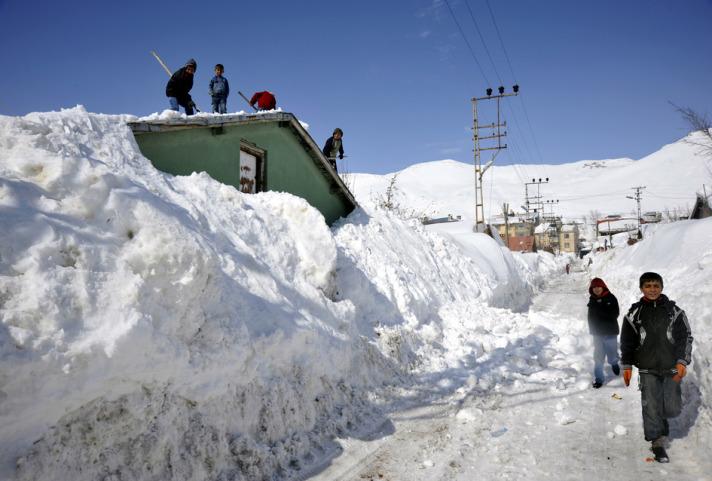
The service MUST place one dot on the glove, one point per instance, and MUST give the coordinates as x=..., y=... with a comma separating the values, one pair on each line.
x=681, y=371
x=627, y=374
x=341, y=156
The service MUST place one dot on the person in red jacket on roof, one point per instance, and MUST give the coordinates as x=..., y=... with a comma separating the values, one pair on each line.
x=265, y=100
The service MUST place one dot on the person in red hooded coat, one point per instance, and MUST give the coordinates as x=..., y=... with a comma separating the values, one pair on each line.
x=265, y=100
x=603, y=314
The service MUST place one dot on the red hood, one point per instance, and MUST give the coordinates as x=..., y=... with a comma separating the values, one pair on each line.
x=598, y=282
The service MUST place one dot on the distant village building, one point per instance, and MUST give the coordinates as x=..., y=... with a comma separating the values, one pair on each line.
x=252, y=152
x=547, y=237
x=517, y=233
x=651, y=217
x=569, y=239
x=556, y=237
x=616, y=224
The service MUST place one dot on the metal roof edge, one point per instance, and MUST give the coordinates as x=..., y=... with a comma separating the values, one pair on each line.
x=320, y=155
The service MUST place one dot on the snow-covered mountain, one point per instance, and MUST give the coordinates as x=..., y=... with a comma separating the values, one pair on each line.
x=671, y=177
x=156, y=327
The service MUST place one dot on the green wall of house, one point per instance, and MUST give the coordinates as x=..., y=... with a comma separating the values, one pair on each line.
x=216, y=150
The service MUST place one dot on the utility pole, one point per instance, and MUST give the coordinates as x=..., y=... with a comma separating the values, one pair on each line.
x=637, y=198
x=497, y=133
x=505, y=211
x=534, y=199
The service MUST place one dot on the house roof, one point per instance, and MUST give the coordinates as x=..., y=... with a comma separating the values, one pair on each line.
x=542, y=228
x=170, y=123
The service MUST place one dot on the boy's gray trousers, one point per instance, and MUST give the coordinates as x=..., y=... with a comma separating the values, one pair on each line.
x=661, y=398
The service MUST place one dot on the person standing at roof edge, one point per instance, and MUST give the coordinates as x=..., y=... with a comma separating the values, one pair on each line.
x=219, y=90
x=603, y=314
x=656, y=337
x=179, y=85
x=265, y=100
x=333, y=147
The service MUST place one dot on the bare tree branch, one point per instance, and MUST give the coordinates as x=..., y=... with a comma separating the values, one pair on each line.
x=699, y=123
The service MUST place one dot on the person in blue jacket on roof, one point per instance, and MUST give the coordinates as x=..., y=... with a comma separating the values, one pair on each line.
x=219, y=90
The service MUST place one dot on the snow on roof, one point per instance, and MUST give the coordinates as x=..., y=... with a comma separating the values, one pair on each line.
x=542, y=228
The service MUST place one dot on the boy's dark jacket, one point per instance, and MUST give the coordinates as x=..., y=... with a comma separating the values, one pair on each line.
x=179, y=85
x=655, y=336
x=330, y=145
x=603, y=313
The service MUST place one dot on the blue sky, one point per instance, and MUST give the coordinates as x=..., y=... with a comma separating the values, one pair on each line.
x=397, y=76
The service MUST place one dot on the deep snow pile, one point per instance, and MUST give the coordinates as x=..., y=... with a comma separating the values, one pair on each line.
x=159, y=327
x=682, y=253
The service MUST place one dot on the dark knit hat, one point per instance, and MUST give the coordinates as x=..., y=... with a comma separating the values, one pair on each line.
x=191, y=63
x=651, y=276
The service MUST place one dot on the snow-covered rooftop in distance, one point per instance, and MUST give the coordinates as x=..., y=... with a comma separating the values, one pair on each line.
x=542, y=228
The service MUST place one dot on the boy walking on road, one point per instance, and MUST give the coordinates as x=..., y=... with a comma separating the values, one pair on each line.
x=657, y=339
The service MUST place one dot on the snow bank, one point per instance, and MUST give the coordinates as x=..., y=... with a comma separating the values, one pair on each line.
x=159, y=327
x=145, y=316
x=681, y=252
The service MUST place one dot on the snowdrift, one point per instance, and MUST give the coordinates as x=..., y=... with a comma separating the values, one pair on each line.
x=159, y=327
x=682, y=253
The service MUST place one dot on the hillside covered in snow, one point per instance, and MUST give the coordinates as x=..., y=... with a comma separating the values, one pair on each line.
x=671, y=177
x=161, y=327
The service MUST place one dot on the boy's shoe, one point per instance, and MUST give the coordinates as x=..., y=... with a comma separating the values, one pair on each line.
x=660, y=454
x=616, y=369
x=597, y=383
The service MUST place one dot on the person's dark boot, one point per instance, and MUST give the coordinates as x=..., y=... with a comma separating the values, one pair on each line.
x=659, y=452
x=616, y=369
x=597, y=383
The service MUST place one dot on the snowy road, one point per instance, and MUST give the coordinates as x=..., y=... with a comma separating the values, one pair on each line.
x=539, y=424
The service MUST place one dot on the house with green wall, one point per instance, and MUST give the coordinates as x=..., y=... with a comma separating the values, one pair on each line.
x=253, y=152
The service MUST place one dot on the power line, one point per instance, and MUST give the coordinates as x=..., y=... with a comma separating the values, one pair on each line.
x=484, y=44
x=506, y=55
x=472, y=52
x=500, y=41
x=536, y=145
